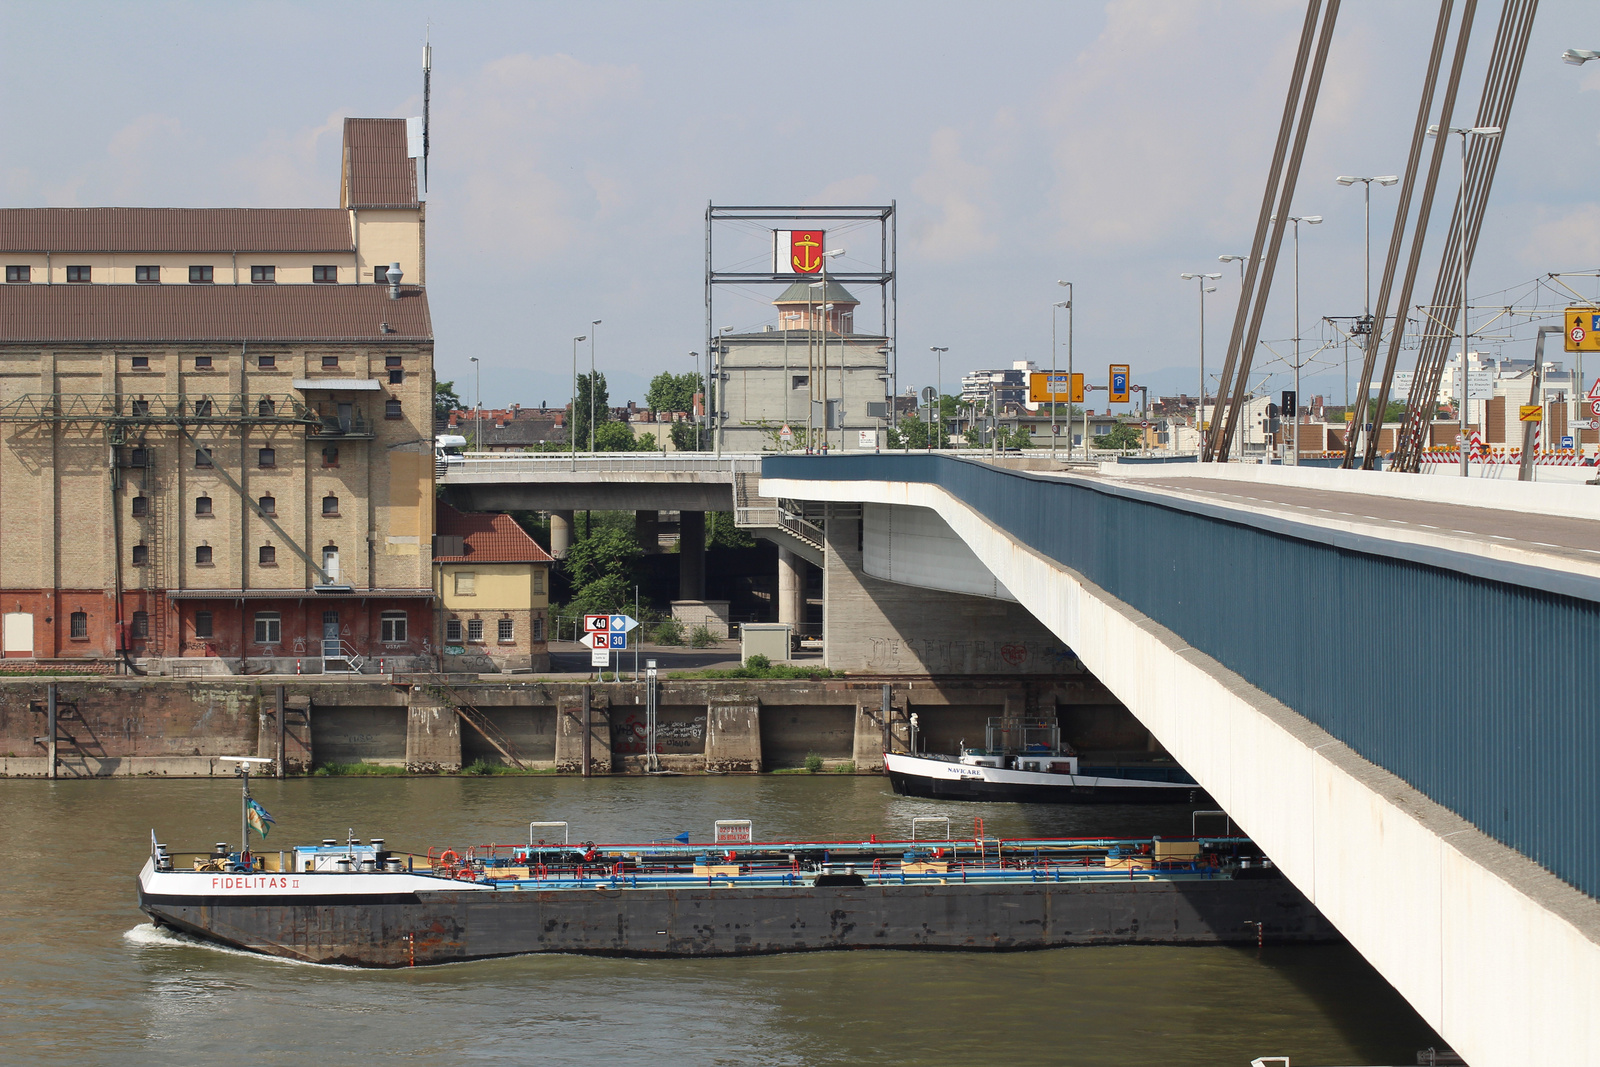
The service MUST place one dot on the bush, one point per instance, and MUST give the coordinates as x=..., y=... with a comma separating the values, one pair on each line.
x=847, y=767
x=757, y=662
x=701, y=637
x=813, y=763
x=668, y=632
x=355, y=770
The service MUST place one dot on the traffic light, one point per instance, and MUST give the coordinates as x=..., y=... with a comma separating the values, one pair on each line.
x=1288, y=407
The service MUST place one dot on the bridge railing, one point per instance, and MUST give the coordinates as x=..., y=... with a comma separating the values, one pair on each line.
x=495, y=464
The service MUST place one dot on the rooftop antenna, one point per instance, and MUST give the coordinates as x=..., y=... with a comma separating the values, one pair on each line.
x=427, y=77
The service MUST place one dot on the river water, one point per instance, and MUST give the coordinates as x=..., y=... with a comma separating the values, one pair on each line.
x=84, y=979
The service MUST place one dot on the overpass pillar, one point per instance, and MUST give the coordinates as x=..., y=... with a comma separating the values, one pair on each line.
x=791, y=589
x=560, y=533
x=647, y=528
x=691, y=555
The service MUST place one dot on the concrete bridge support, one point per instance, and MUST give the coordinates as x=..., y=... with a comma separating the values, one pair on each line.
x=576, y=718
x=733, y=738
x=791, y=589
x=691, y=555
x=433, y=734
x=560, y=533
x=647, y=528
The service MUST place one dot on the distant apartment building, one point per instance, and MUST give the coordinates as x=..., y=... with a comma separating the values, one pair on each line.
x=1006, y=387
x=215, y=429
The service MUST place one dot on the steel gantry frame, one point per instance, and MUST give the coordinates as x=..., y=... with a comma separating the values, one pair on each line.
x=806, y=217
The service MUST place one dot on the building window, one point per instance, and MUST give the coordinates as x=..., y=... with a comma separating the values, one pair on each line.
x=202, y=457
x=330, y=507
x=325, y=274
x=392, y=627
x=267, y=362
x=18, y=274
x=391, y=362
x=147, y=275
x=202, y=506
x=268, y=505
x=538, y=580
x=538, y=629
x=202, y=624
x=475, y=631
x=266, y=408
x=199, y=275
x=380, y=275
x=466, y=583
x=391, y=410
x=202, y=409
x=202, y=362
x=140, y=409
x=263, y=275
x=80, y=625
x=397, y=377
x=141, y=506
x=799, y=381
x=330, y=362
x=141, y=555
x=202, y=555
x=452, y=632
x=267, y=457
x=269, y=628
x=507, y=631
x=138, y=457
x=268, y=556
x=77, y=274
x=140, y=363
x=397, y=374
x=330, y=456
x=141, y=624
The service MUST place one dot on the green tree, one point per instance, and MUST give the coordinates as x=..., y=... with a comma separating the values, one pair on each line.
x=600, y=567
x=602, y=409
x=721, y=532
x=1121, y=436
x=687, y=437
x=911, y=433
x=445, y=400
x=614, y=437
x=673, y=392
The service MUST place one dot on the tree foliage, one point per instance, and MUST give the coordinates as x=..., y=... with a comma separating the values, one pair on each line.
x=596, y=383
x=614, y=437
x=674, y=392
x=1121, y=436
x=445, y=400
x=721, y=532
x=687, y=437
x=600, y=565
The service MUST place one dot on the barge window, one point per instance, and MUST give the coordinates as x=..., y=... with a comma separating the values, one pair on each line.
x=269, y=628
x=392, y=627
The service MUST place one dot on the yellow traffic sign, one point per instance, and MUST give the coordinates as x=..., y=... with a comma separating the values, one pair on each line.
x=1119, y=383
x=1048, y=386
x=1582, y=330
x=1530, y=413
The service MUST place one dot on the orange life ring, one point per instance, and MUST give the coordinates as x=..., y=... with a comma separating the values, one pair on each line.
x=466, y=874
x=448, y=858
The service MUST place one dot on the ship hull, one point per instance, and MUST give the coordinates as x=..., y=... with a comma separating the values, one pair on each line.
x=946, y=779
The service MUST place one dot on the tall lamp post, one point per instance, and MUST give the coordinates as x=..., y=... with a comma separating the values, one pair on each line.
x=1366, y=195
x=592, y=383
x=1577, y=57
x=572, y=419
x=1461, y=398
x=1067, y=303
x=694, y=420
x=477, y=408
x=1309, y=220
x=938, y=394
x=1200, y=407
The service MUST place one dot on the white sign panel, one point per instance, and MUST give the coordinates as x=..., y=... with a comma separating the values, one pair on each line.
x=600, y=657
x=1480, y=384
x=867, y=439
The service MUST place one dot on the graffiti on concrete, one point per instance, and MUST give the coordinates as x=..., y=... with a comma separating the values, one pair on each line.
x=673, y=735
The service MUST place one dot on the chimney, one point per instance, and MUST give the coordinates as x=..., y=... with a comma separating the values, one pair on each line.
x=395, y=275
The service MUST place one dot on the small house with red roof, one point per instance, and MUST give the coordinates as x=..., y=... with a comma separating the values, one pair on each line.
x=492, y=583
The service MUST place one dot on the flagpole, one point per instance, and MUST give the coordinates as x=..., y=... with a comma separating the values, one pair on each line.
x=244, y=819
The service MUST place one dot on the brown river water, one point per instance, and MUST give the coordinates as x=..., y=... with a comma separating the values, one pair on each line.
x=84, y=978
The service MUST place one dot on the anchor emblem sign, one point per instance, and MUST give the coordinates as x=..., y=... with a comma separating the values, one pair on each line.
x=805, y=251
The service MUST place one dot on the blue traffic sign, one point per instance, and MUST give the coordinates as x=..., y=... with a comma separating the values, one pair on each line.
x=618, y=640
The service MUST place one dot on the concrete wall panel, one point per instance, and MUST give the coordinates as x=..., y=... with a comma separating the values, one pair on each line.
x=532, y=730
x=790, y=733
x=358, y=735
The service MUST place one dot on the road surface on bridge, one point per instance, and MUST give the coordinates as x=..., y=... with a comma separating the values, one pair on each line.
x=1551, y=535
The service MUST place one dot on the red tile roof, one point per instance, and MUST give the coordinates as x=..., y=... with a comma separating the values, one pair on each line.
x=226, y=313
x=219, y=230
x=490, y=538
x=378, y=173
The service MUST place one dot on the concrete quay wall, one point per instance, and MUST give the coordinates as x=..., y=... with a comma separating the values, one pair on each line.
x=185, y=727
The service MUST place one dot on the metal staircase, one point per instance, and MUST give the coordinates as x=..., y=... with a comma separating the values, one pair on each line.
x=475, y=718
x=338, y=657
x=766, y=517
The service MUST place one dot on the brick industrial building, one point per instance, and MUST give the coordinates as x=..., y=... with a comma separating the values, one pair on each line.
x=216, y=428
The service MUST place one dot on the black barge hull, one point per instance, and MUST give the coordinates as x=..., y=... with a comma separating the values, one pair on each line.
x=916, y=785
x=423, y=928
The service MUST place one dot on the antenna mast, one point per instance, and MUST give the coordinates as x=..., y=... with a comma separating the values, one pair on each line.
x=427, y=76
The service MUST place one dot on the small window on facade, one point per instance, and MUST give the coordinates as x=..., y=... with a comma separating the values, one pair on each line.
x=269, y=628
x=391, y=362
x=506, y=631
x=140, y=409
x=77, y=274
x=475, y=631
x=330, y=506
x=80, y=624
x=147, y=275
x=397, y=377
x=330, y=362
x=202, y=624
x=202, y=555
x=141, y=555
x=18, y=274
x=538, y=580
x=391, y=410
x=452, y=631
x=140, y=363
x=466, y=583
x=325, y=274
x=263, y=275
x=199, y=275
x=330, y=456
x=202, y=409
x=266, y=362
x=138, y=457
x=268, y=505
x=392, y=627
x=268, y=556
x=800, y=381
x=380, y=275
x=141, y=624
x=538, y=630
x=267, y=457
x=202, y=362
x=202, y=505
x=266, y=408
x=202, y=457
x=141, y=506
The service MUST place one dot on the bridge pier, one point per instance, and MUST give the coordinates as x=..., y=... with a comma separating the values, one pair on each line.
x=791, y=589
x=560, y=533
x=647, y=528
x=691, y=555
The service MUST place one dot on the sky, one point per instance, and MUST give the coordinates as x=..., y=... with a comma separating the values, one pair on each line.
x=575, y=148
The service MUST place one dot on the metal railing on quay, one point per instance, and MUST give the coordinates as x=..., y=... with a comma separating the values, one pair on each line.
x=498, y=463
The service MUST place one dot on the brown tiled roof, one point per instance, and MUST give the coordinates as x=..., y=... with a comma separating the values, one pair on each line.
x=490, y=538
x=174, y=229
x=378, y=173
x=227, y=313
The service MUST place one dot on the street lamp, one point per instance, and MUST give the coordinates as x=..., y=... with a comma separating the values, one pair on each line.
x=1578, y=56
x=938, y=394
x=477, y=410
x=1053, y=428
x=1350, y=179
x=1241, y=260
x=824, y=299
x=1200, y=406
x=1309, y=220
x=572, y=418
x=592, y=334
x=1466, y=132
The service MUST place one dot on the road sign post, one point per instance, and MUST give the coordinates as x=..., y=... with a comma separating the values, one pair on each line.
x=1120, y=373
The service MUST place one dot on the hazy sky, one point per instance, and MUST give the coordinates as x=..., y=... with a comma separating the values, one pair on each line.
x=575, y=147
